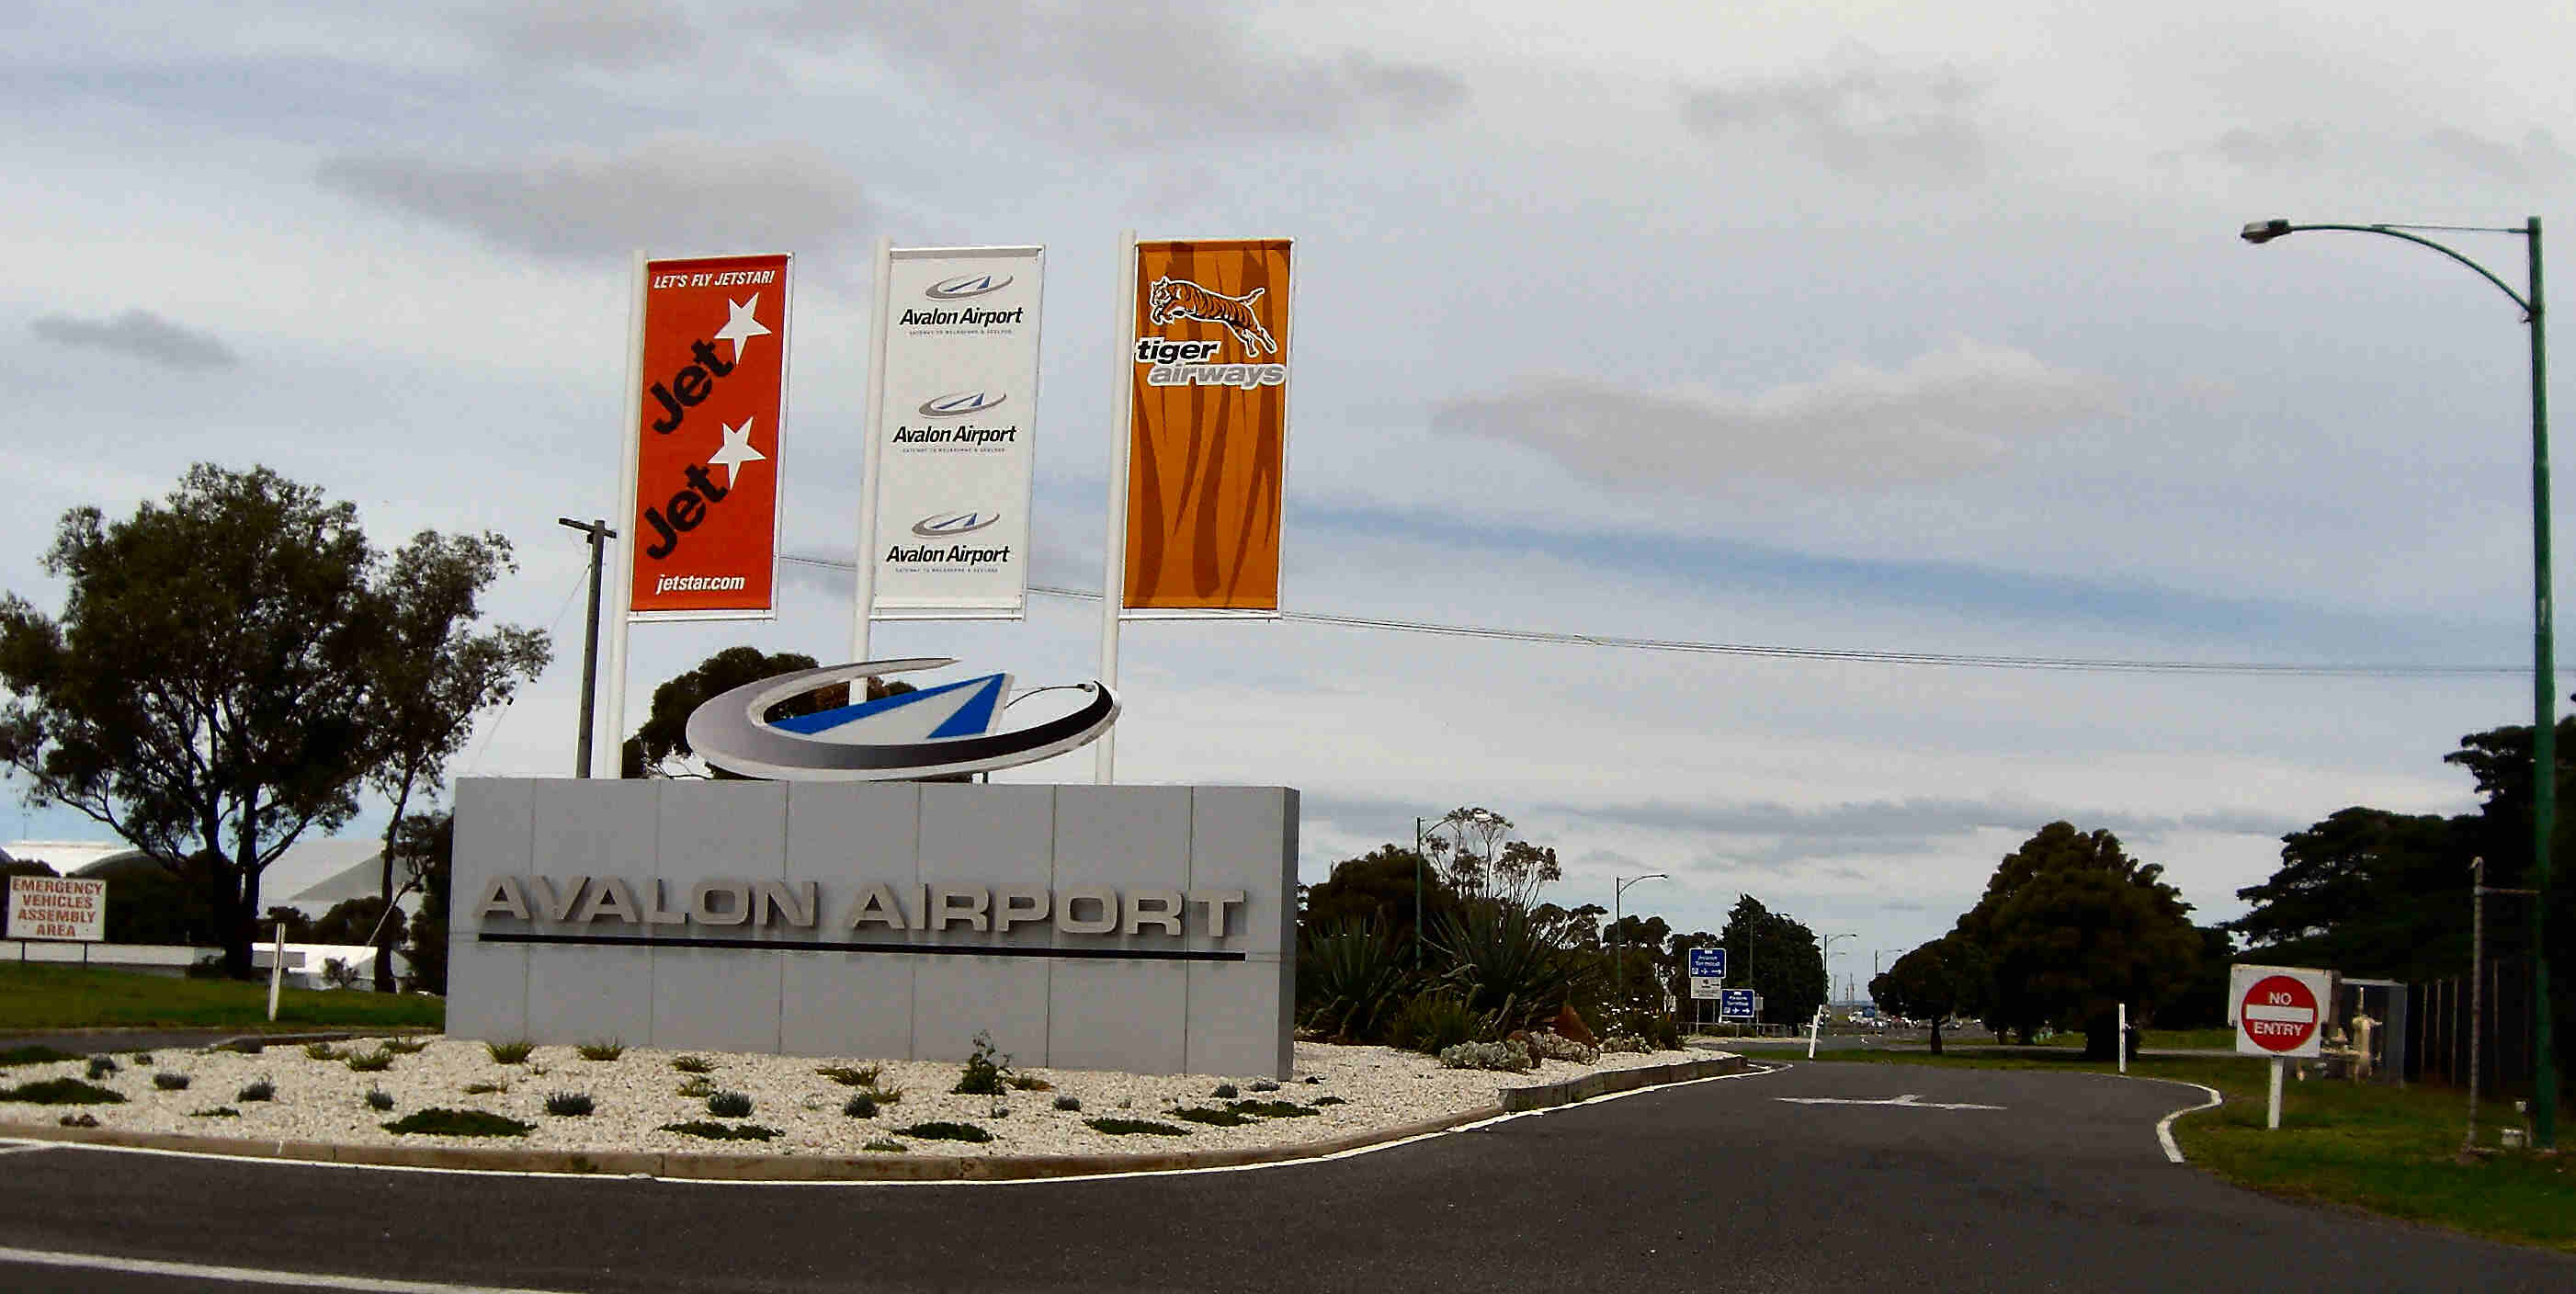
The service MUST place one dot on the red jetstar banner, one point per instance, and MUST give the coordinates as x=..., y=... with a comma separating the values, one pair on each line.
x=702, y=527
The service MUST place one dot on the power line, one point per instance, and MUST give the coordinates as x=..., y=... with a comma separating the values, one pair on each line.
x=2065, y=664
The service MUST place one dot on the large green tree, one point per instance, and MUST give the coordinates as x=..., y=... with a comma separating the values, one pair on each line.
x=660, y=748
x=1381, y=885
x=216, y=684
x=2367, y=892
x=1946, y=977
x=2073, y=928
x=1776, y=957
x=425, y=844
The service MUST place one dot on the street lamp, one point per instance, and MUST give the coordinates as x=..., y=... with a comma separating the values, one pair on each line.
x=2544, y=724
x=1618, y=945
x=1828, y=942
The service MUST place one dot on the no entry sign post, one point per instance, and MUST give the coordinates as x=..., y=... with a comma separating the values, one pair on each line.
x=2280, y=1013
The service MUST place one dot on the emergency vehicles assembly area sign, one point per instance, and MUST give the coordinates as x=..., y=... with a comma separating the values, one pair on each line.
x=57, y=907
x=702, y=527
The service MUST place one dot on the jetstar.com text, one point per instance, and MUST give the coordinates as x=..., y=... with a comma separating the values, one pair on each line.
x=698, y=584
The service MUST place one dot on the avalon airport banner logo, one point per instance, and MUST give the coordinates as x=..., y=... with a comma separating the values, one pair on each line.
x=953, y=432
x=712, y=367
x=1209, y=426
x=935, y=731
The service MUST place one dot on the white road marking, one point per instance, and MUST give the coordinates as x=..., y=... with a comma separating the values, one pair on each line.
x=247, y=1275
x=1908, y=1100
x=2164, y=1126
x=16, y=1147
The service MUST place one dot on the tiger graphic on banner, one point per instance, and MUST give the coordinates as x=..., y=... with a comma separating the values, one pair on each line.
x=1181, y=299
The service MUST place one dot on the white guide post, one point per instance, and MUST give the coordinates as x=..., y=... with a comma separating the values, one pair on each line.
x=276, y=971
x=862, y=613
x=2124, y=1038
x=1815, y=1026
x=2272, y=1115
x=1113, y=576
x=621, y=590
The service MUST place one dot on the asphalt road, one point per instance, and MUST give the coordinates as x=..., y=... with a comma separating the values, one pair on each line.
x=1719, y=1185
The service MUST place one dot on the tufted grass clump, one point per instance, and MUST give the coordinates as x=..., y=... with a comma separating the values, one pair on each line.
x=320, y=1051
x=61, y=1091
x=370, y=1062
x=852, y=1076
x=692, y=1065
x=486, y=1089
x=513, y=1052
x=1131, y=1127
x=986, y=1072
x=886, y=1146
x=696, y=1086
x=1214, y=1118
x=1330, y=1100
x=219, y=1112
x=1071, y=1104
x=403, y=1046
x=101, y=1066
x=568, y=1105
x=1030, y=1083
x=169, y=1080
x=601, y=1049
x=721, y=1131
x=728, y=1105
x=1224, y=1092
x=33, y=1056
x=442, y=1122
x=258, y=1089
x=378, y=1098
x=1272, y=1109
x=943, y=1130
x=860, y=1106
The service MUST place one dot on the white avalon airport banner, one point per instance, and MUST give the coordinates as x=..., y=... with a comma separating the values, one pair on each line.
x=944, y=521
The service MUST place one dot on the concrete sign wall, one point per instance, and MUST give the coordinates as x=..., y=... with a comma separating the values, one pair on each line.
x=1141, y=928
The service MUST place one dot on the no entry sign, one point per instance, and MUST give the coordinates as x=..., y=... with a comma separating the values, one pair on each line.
x=2280, y=1011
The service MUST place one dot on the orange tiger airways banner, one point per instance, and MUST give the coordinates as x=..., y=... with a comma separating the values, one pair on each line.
x=1209, y=427
x=702, y=525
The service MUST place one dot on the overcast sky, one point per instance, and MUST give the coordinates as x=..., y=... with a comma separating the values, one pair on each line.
x=1835, y=325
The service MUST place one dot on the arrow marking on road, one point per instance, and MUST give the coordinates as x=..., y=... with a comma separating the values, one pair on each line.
x=1909, y=1100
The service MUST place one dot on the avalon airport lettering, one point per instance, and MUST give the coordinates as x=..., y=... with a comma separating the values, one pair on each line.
x=931, y=906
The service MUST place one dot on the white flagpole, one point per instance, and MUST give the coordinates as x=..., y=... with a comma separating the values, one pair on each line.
x=862, y=613
x=612, y=714
x=1113, y=577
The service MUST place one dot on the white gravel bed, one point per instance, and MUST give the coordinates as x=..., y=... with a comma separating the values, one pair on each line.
x=637, y=1093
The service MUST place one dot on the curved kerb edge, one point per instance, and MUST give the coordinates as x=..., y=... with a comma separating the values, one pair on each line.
x=811, y=1168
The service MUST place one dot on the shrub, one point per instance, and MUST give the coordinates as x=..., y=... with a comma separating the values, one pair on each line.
x=1549, y=1046
x=568, y=1105
x=61, y=1091
x=1509, y=1055
x=986, y=1071
x=1625, y=1042
x=1265, y=1085
x=721, y=1131
x=1511, y=964
x=102, y=1066
x=860, y=1106
x=1030, y=1083
x=862, y=1076
x=485, y=1089
x=1272, y=1109
x=509, y=1053
x=371, y=1062
x=257, y=1090
x=1069, y=1103
x=691, y=1064
x=143, y=1058
x=170, y=1081
x=1431, y=1022
x=602, y=1049
x=887, y=1146
x=320, y=1051
x=697, y=1086
x=1131, y=1127
x=728, y=1105
x=339, y=973
x=33, y=1056
x=403, y=1046
x=885, y=1095
x=442, y=1122
x=1354, y=976
x=78, y=1120
x=938, y=1130
x=1225, y=1092
x=1212, y=1117
x=1322, y=1101
x=378, y=1098
x=219, y=1112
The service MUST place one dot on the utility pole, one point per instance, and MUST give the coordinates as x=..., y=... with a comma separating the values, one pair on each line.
x=599, y=534
x=2478, y=892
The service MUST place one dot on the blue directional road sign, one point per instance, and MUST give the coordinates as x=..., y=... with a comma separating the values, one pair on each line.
x=1708, y=963
x=1735, y=1004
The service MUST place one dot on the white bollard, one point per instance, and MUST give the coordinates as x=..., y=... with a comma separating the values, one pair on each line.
x=2124, y=1038
x=2272, y=1117
x=276, y=971
x=1814, y=1026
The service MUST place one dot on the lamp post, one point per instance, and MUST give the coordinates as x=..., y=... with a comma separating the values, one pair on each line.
x=1828, y=942
x=2544, y=723
x=1618, y=943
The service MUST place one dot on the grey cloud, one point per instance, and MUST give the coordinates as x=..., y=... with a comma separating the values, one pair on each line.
x=672, y=191
x=1944, y=413
x=2303, y=147
x=614, y=34
x=1775, y=837
x=139, y=334
x=2537, y=158
x=1153, y=70
x=2292, y=147
x=1869, y=123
